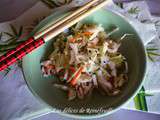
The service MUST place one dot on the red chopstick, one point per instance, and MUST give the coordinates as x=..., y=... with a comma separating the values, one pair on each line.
x=15, y=50
x=19, y=52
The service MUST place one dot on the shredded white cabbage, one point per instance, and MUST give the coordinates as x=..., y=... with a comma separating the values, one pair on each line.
x=86, y=59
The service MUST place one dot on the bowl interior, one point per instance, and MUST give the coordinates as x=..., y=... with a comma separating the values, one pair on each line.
x=132, y=48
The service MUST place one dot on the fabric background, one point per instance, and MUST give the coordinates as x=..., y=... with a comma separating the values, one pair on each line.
x=17, y=102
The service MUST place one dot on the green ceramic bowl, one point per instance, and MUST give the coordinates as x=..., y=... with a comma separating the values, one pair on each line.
x=132, y=48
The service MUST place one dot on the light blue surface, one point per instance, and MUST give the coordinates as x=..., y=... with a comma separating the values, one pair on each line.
x=17, y=101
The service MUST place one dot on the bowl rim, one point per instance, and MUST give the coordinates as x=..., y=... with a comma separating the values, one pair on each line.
x=79, y=116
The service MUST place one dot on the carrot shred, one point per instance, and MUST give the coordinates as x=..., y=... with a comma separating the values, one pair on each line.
x=50, y=66
x=87, y=33
x=76, y=76
x=72, y=40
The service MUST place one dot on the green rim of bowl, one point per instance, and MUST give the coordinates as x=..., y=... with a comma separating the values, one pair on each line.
x=113, y=110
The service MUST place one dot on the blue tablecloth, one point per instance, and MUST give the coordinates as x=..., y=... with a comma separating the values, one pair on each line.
x=17, y=102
